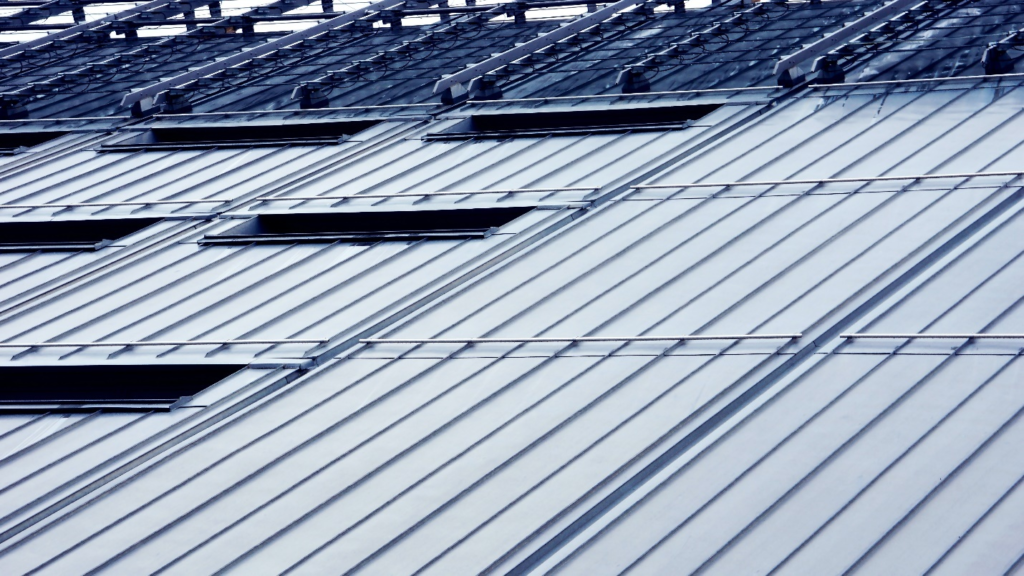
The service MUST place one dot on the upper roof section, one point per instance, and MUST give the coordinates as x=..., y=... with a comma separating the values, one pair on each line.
x=207, y=57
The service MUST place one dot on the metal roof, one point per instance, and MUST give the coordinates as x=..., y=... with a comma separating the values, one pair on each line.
x=775, y=329
x=878, y=456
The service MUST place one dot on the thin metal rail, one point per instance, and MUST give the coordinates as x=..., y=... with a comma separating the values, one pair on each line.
x=42, y=12
x=424, y=194
x=22, y=46
x=933, y=336
x=153, y=89
x=307, y=90
x=906, y=81
x=695, y=40
x=156, y=343
x=257, y=19
x=531, y=46
x=580, y=339
x=840, y=36
x=829, y=180
x=106, y=204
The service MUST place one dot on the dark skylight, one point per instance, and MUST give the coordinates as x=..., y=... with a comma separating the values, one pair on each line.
x=241, y=135
x=66, y=235
x=11, y=142
x=368, y=226
x=575, y=122
x=112, y=387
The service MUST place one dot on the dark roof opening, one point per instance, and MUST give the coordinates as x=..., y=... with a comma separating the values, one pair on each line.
x=65, y=235
x=575, y=122
x=11, y=142
x=114, y=387
x=241, y=135
x=368, y=226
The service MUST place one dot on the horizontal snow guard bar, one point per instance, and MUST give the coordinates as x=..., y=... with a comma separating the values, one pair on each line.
x=580, y=339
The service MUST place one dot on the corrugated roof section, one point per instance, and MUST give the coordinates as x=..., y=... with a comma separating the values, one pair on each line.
x=445, y=458
x=88, y=80
x=883, y=456
x=51, y=460
x=183, y=291
x=723, y=330
x=945, y=41
x=350, y=461
x=177, y=289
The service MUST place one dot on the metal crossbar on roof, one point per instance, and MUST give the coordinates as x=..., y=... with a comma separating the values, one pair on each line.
x=426, y=194
x=498, y=60
x=305, y=89
x=933, y=336
x=479, y=14
x=21, y=47
x=153, y=89
x=695, y=40
x=157, y=343
x=840, y=36
x=104, y=204
x=943, y=79
x=580, y=339
x=42, y=12
x=828, y=180
x=166, y=9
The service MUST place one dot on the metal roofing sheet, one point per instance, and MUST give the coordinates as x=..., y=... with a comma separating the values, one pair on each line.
x=769, y=260
x=220, y=292
x=416, y=464
x=77, y=174
x=946, y=41
x=345, y=469
x=865, y=459
x=27, y=274
x=216, y=288
x=879, y=457
x=742, y=56
x=881, y=132
x=179, y=290
x=451, y=458
x=51, y=459
x=97, y=92
x=428, y=461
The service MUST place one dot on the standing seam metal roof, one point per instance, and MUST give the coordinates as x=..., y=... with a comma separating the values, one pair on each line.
x=813, y=454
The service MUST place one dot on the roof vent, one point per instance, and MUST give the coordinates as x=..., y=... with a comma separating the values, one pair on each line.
x=110, y=388
x=575, y=122
x=12, y=142
x=368, y=226
x=205, y=136
x=66, y=235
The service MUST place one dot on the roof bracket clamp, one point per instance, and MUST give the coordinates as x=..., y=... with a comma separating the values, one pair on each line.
x=12, y=107
x=454, y=94
x=791, y=77
x=311, y=95
x=634, y=80
x=829, y=70
x=144, y=108
x=174, y=101
x=996, y=59
x=486, y=87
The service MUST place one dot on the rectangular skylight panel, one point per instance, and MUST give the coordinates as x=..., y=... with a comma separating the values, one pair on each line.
x=113, y=387
x=225, y=135
x=11, y=142
x=576, y=122
x=67, y=235
x=403, y=225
